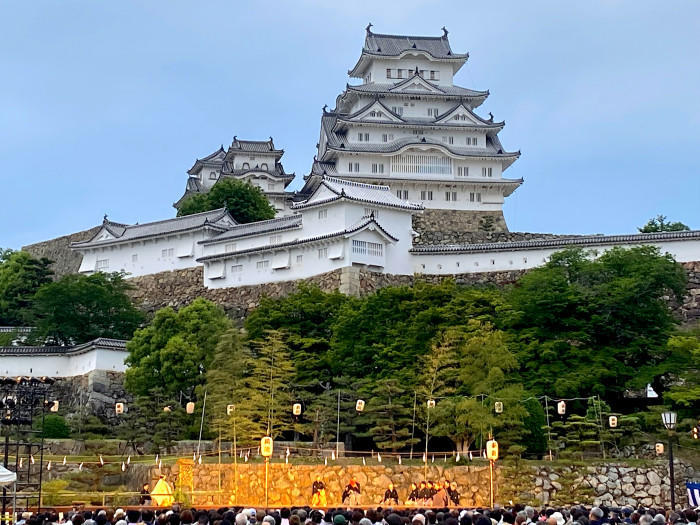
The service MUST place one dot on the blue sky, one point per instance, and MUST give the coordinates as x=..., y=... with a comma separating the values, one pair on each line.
x=105, y=105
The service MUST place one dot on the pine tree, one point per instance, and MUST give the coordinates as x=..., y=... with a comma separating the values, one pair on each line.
x=389, y=413
x=266, y=408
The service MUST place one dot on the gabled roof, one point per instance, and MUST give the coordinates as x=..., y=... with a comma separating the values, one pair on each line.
x=474, y=118
x=364, y=223
x=218, y=219
x=582, y=240
x=288, y=222
x=212, y=160
x=100, y=342
x=382, y=45
x=255, y=146
x=375, y=105
x=337, y=189
x=448, y=91
x=415, y=84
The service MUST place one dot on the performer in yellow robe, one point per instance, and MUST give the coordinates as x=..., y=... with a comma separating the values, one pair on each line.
x=162, y=493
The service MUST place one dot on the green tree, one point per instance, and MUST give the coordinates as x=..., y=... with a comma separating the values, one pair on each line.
x=21, y=275
x=55, y=427
x=79, y=308
x=685, y=390
x=175, y=350
x=226, y=383
x=659, y=224
x=245, y=202
x=266, y=406
x=389, y=415
x=585, y=326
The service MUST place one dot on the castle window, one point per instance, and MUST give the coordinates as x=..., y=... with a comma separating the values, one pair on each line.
x=434, y=75
x=262, y=265
x=236, y=268
x=474, y=197
x=486, y=172
x=230, y=247
x=463, y=171
x=426, y=195
x=377, y=168
x=363, y=136
x=421, y=73
x=402, y=194
x=274, y=239
x=397, y=109
x=167, y=252
x=246, y=166
x=102, y=265
x=415, y=163
x=400, y=72
x=322, y=214
x=433, y=112
x=388, y=73
x=212, y=175
x=300, y=259
x=451, y=196
x=386, y=137
x=263, y=166
x=493, y=261
x=323, y=253
x=371, y=211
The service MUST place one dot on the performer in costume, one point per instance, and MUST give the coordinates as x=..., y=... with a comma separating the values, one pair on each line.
x=413, y=495
x=454, y=493
x=162, y=494
x=390, y=495
x=318, y=493
x=145, y=498
x=424, y=492
x=351, y=494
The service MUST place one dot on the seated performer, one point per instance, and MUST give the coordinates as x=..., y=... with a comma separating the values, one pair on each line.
x=145, y=497
x=318, y=493
x=454, y=493
x=413, y=495
x=351, y=494
x=424, y=492
x=390, y=495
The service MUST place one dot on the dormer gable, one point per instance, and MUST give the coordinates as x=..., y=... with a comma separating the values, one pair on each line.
x=416, y=84
x=375, y=112
x=461, y=114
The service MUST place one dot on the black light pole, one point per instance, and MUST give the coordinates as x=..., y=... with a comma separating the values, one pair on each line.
x=669, y=421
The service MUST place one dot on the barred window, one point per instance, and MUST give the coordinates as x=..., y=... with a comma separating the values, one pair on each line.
x=413, y=163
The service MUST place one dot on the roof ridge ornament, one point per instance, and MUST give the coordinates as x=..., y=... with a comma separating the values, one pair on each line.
x=444, y=32
x=368, y=29
x=490, y=117
x=104, y=219
x=324, y=108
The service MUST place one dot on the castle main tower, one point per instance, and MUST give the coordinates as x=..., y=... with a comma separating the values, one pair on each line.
x=408, y=126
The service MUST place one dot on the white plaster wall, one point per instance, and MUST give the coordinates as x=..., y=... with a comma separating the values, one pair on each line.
x=409, y=62
x=149, y=256
x=444, y=264
x=63, y=365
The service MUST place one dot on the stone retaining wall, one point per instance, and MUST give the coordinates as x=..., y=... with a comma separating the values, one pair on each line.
x=65, y=260
x=455, y=226
x=612, y=484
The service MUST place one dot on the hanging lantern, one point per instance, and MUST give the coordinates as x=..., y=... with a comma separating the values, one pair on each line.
x=612, y=421
x=296, y=409
x=360, y=405
x=492, y=450
x=659, y=448
x=266, y=446
x=119, y=408
x=54, y=406
x=189, y=407
x=230, y=409
x=431, y=403
x=561, y=408
x=498, y=407
x=167, y=409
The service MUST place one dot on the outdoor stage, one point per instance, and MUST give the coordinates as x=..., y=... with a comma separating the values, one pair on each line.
x=290, y=485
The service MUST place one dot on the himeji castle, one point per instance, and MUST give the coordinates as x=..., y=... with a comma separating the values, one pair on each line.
x=402, y=152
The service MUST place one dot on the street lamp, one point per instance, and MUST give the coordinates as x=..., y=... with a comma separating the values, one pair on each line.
x=669, y=421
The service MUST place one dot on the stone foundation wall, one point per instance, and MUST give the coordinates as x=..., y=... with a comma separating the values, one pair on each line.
x=94, y=393
x=612, y=484
x=455, y=226
x=65, y=260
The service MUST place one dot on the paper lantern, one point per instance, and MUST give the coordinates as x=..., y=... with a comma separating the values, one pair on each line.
x=360, y=405
x=492, y=449
x=498, y=407
x=561, y=408
x=612, y=421
x=296, y=409
x=119, y=408
x=266, y=446
x=189, y=407
x=431, y=403
x=230, y=409
x=659, y=448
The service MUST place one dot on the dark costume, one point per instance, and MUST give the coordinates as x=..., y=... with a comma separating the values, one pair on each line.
x=351, y=494
x=391, y=495
x=454, y=495
x=413, y=496
x=317, y=487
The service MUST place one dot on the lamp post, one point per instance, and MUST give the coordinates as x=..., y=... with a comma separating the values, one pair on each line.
x=669, y=421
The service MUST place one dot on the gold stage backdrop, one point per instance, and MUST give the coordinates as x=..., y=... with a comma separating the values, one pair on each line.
x=290, y=485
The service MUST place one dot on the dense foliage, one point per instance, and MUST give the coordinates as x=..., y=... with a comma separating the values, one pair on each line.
x=659, y=224
x=21, y=275
x=245, y=202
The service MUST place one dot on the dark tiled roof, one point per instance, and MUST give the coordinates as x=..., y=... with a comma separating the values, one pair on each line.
x=365, y=221
x=276, y=171
x=323, y=168
x=584, y=240
x=358, y=191
x=209, y=160
x=139, y=231
x=101, y=342
x=394, y=45
x=255, y=228
x=255, y=146
x=386, y=89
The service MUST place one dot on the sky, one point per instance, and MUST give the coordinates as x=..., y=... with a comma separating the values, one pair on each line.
x=104, y=106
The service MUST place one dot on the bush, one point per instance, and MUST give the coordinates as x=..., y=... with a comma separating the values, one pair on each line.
x=55, y=427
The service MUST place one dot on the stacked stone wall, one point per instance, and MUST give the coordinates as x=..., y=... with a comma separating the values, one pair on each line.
x=65, y=260
x=455, y=226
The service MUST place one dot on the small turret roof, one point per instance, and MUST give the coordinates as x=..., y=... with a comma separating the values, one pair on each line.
x=255, y=146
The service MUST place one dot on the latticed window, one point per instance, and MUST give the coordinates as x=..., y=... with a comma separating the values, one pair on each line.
x=374, y=249
x=415, y=163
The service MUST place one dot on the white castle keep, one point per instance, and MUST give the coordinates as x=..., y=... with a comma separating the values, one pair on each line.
x=404, y=146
